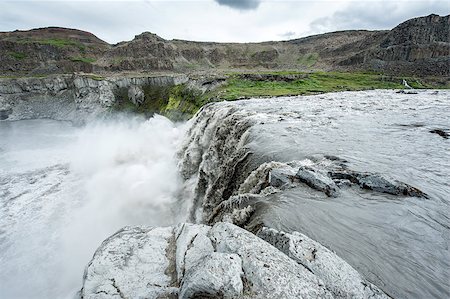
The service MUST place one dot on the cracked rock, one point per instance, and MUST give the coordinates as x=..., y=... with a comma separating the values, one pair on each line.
x=130, y=264
x=271, y=273
x=338, y=276
x=223, y=261
x=192, y=245
x=217, y=275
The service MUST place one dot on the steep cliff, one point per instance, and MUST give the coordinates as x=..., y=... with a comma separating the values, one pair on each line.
x=419, y=46
x=75, y=98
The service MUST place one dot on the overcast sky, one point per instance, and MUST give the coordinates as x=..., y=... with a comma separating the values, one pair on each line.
x=214, y=20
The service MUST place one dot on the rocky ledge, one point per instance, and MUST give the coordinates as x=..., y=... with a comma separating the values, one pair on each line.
x=76, y=98
x=222, y=261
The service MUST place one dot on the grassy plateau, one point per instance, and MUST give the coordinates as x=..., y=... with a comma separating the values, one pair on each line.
x=312, y=83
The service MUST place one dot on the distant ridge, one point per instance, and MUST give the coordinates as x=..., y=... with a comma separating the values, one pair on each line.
x=419, y=46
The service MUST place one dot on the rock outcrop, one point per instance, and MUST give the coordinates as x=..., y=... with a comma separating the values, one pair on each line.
x=420, y=46
x=223, y=261
x=75, y=98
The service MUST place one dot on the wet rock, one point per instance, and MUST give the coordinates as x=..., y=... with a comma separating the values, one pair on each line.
x=329, y=175
x=280, y=178
x=378, y=183
x=136, y=95
x=317, y=179
x=5, y=109
x=338, y=276
x=407, y=91
x=374, y=182
x=444, y=134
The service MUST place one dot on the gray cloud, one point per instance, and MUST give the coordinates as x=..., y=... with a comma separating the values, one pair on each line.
x=240, y=4
x=287, y=35
x=115, y=21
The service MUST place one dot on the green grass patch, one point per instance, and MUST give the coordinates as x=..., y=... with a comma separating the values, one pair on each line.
x=96, y=77
x=177, y=101
x=17, y=55
x=60, y=43
x=82, y=59
x=23, y=76
x=308, y=60
x=318, y=82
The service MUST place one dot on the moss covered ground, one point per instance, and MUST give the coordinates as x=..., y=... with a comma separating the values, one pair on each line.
x=312, y=83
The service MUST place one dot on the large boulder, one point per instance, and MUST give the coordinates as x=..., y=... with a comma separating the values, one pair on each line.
x=223, y=261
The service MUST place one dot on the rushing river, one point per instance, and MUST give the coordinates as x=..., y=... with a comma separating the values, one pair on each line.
x=64, y=189
x=399, y=243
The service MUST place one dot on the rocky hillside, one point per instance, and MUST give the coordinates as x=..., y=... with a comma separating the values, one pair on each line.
x=48, y=51
x=418, y=46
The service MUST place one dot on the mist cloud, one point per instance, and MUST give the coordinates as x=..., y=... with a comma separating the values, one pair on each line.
x=240, y=4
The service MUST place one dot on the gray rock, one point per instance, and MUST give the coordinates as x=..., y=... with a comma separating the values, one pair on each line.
x=5, y=109
x=441, y=132
x=279, y=178
x=192, y=244
x=269, y=272
x=130, y=264
x=317, y=179
x=379, y=184
x=217, y=275
x=76, y=98
x=136, y=95
x=375, y=182
x=338, y=276
x=225, y=261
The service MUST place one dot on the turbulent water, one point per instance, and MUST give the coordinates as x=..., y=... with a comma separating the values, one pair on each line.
x=400, y=243
x=64, y=189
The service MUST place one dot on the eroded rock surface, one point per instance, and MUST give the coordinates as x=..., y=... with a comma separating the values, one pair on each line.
x=131, y=264
x=76, y=98
x=223, y=261
x=338, y=276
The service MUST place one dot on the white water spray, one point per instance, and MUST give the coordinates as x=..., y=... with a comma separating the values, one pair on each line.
x=116, y=173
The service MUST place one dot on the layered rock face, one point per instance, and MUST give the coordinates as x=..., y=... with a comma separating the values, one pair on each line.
x=49, y=50
x=419, y=46
x=73, y=98
x=223, y=261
